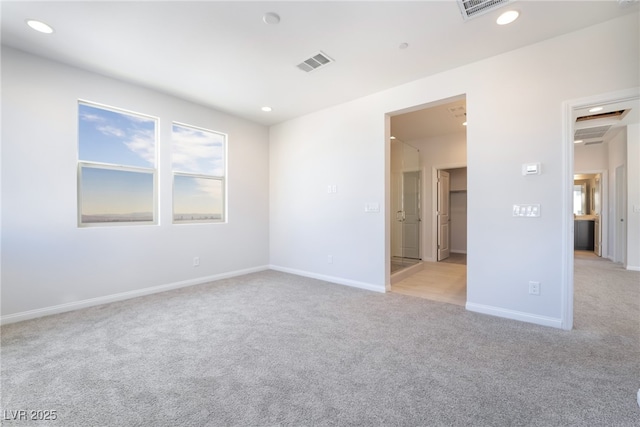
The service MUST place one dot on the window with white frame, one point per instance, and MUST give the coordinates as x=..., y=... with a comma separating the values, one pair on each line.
x=198, y=163
x=116, y=166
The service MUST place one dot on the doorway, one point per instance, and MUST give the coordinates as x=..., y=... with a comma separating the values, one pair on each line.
x=450, y=227
x=590, y=218
x=597, y=142
x=438, y=134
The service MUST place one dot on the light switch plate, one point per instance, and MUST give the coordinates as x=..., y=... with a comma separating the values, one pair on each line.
x=372, y=208
x=531, y=169
x=526, y=211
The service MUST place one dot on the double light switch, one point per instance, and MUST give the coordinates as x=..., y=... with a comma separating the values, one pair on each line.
x=527, y=211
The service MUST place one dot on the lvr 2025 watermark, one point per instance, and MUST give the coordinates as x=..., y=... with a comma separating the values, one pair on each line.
x=29, y=415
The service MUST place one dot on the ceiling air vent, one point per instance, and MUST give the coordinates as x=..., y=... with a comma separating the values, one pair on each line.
x=589, y=133
x=318, y=60
x=472, y=8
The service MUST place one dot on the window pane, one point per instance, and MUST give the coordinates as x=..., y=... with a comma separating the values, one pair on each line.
x=197, y=151
x=108, y=136
x=108, y=195
x=197, y=199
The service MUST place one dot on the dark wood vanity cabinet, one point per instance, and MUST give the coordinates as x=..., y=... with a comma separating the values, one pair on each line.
x=583, y=235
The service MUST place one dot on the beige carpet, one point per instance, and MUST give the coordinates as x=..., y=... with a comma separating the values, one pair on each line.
x=273, y=349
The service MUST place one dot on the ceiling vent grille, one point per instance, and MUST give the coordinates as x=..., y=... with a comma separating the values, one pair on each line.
x=318, y=60
x=594, y=132
x=472, y=8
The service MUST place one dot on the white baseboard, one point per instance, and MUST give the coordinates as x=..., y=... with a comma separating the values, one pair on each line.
x=515, y=315
x=332, y=279
x=458, y=252
x=633, y=268
x=76, y=305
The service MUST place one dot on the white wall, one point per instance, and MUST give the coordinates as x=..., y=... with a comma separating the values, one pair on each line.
x=307, y=223
x=48, y=263
x=589, y=158
x=514, y=107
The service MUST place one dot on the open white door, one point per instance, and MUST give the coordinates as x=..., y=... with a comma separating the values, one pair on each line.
x=443, y=215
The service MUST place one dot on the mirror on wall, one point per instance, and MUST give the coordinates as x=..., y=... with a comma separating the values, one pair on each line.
x=580, y=194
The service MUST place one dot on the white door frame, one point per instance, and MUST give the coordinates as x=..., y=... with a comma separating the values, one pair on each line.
x=566, y=315
x=434, y=203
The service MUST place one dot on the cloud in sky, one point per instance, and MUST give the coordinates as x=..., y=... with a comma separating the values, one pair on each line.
x=197, y=151
x=89, y=117
x=143, y=143
x=110, y=136
x=111, y=130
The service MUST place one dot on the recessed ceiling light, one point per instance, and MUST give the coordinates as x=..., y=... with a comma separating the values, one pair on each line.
x=464, y=123
x=508, y=17
x=40, y=26
x=393, y=137
x=595, y=109
x=577, y=141
x=267, y=109
x=271, y=18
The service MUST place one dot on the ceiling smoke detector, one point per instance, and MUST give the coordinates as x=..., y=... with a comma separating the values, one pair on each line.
x=318, y=60
x=472, y=8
